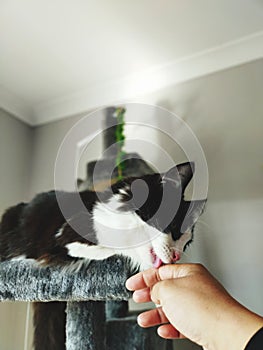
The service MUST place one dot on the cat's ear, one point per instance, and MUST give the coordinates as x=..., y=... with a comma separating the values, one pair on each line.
x=180, y=174
x=195, y=209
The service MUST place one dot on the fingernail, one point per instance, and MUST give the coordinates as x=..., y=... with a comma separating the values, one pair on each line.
x=140, y=320
x=128, y=284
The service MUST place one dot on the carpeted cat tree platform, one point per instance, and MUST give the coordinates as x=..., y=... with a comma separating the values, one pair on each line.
x=89, y=325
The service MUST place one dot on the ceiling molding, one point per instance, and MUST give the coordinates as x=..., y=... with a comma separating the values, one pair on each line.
x=209, y=61
x=16, y=106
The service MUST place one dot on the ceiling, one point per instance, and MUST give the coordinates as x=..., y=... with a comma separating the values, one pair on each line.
x=59, y=58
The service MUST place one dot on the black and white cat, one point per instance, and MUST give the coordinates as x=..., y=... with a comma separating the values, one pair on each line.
x=38, y=230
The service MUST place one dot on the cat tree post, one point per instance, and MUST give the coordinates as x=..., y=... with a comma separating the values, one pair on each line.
x=86, y=325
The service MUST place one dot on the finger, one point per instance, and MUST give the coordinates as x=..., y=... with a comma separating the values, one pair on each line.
x=175, y=271
x=143, y=279
x=167, y=331
x=149, y=277
x=152, y=318
x=142, y=295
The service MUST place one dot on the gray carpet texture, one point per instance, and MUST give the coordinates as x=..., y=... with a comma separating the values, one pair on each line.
x=99, y=280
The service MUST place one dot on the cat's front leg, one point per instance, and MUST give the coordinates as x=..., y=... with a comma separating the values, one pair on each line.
x=91, y=252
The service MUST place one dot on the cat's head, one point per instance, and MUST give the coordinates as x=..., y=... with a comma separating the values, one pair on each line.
x=158, y=200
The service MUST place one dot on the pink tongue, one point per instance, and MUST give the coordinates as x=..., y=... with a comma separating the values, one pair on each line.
x=157, y=262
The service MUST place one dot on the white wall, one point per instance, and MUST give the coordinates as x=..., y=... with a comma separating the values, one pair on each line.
x=15, y=157
x=46, y=142
x=225, y=111
x=232, y=248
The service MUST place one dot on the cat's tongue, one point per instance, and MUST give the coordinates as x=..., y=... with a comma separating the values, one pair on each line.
x=157, y=262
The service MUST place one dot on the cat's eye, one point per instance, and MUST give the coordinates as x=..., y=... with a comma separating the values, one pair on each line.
x=188, y=243
x=176, y=235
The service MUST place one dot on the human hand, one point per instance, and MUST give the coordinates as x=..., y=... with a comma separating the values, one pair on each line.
x=193, y=305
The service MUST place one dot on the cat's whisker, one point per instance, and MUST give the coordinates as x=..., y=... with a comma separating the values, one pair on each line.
x=186, y=254
x=204, y=225
x=177, y=250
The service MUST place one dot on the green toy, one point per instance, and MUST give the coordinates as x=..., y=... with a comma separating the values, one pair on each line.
x=120, y=140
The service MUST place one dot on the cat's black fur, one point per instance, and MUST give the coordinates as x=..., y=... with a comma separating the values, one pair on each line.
x=29, y=228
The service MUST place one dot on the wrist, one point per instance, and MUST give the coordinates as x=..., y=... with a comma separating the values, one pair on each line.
x=235, y=328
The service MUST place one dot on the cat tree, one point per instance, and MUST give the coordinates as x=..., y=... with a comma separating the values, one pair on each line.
x=88, y=327
x=97, y=315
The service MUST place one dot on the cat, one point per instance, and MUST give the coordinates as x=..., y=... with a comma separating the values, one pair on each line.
x=38, y=230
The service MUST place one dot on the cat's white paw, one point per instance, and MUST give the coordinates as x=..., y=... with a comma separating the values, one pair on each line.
x=91, y=252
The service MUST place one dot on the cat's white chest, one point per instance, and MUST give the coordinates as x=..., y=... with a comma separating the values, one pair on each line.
x=119, y=230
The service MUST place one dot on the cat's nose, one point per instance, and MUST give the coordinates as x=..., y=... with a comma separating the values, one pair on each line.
x=176, y=256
